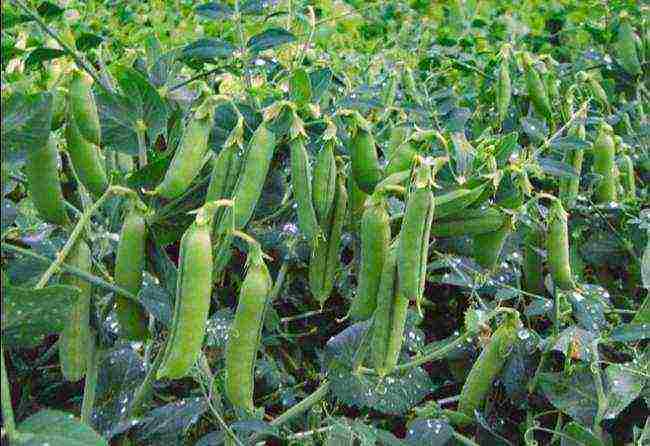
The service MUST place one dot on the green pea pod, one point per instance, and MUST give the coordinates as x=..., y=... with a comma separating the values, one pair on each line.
x=245, y=333
x=474, y=222
x=398, y=136
x=301, y=182
x=626, y=168
x=487, y=367
x=223, y=179
x=533, y=263
x=456, y=201
x=401, y=159
x=58, y=107
x=364, y=160
x=557, y=247
x=325, y=255
x=43, y=183
x=625, y=48
x=76, y=335
x=129, y=266
x=569, y=187
x=86, y=160
x=503, y=90
x=82, y=107
x=645, y=264
x=358, y=200
x=375, y=238
x=536, y=89
x=604, y=152
x=253, y=175
x=389, y=318
x=413, y=249
x=190, y=155
x=192, y=303
x=487, y=247
x=324, y=183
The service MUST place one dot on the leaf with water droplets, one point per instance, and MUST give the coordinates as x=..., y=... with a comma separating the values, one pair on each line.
x=575, y=342
x=630, y=332
x=589, y=304
x=166, y=424
x=625, y=383
x=578, y=435
x=55, y=428
x=573, y=394
x=429, y=432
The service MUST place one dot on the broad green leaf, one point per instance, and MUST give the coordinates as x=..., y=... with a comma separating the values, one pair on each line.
x=55, y=428
x=631, y=332
x=26, y=122
x=574, y=394
x=207, y=50
x=42, y=54
x=624, y=384
x=579, y=436
x=87, y=41
x=429, y=432
x=270, y=38
x=300, y=87
x=557, y=168
x=214, y=10
x=166, y=424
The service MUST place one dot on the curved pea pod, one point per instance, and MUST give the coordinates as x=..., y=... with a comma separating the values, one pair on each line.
x=626, y=169
x=192, y=303
x=487, y=247
x=503, y=90
x=569, y=187
x=324, y=259
x=401, y=159
x=389, y=318
x=83, y=109
x=86, y=160
x=301, y=181
x=253, y=175
x=76, y=335
x=625, y=48
x=43, y=183
x=364, y=160
x=375, y=239
x=324, y=183
x=471, y=222
x=557, y=247
x=245, y=333
x=536, y=89
x=129, y=266
x=358, y=200
x=58, y=107
x=598, y=91
x=413, y=248
x=487, y=367
x=188, y=158
x=455, y=201
x=533, y=263
x=604, y=152
x=225, y=171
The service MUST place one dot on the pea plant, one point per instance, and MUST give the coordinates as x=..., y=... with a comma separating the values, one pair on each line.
x=330, y=222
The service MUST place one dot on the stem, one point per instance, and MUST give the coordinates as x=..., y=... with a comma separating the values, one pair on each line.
x=76, y=233
x=568, y=124
x=142, y=146
x=242, y=44
x=74, y=271
x=304, y=405
x=464, y=440
x=143, y=391
x=90, y=384
x=600, y=391
x=279, y=281
x=8, y=419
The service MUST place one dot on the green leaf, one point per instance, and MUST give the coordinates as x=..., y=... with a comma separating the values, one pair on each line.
x=630, y=332
x=42, y=54
x=207, y=50
x=579, y=436
x=49, y=10
x=576, y=343
x=214, y=10
x=300, y=87
x=26, y=123
x=534, y=128
x=56, y=428
x=30, y=314
x=429, y=432
x=573, y=394
x=166, y=424
x=589, y=304
x=557, y=168
x=87, y=41
x=624, y=384
x=270, y=38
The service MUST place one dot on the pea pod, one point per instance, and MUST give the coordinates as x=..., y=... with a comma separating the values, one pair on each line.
x=625, y=47
x=557, y=247
x=364, y=160
x=413, y=249
x=487, y=367
x=389, y=318
x=324, y=259
x=193, y=291
x=471, y=222
x=533, y=263
x=129, y=266
x=324, y=183
x=401, y=159
x=536, y=89
x=626, y=168
x=358, y=200
x=375, y=238
x=503, y=89
x=245, y=333
x=86, y=160
x=76, y=335
x=398, y=136
x=604, y=152
x=456, y=201
x=190, y=154
x=302, y=191
x=83, y=110
x=569, y=187
x=487, y=247
x=225, y=172
x=43, y=183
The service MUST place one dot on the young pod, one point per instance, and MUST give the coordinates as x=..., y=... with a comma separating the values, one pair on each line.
x=487, y=367
x=129, y=266
x=626, y=169
x=190, y=154
x=43, y=183
x=76, y=335
x=364, y=160
x=324, y=259
x=389, y=318
x=86, y=159
x=413, y=248
x=536, y=90
x=557, y=247
x=375, y=238
x=487, y=247
x=82, y=107
x=470, y=222
x=401, y=159
x=503, y=90
x=223, y=179
x=625, y=47
x=192, y=303
x=533, y=263
x=324, y=183
x=302, y=191
x=604, y=152
x=358, y=200
x=245, y=332
x=569, y=187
